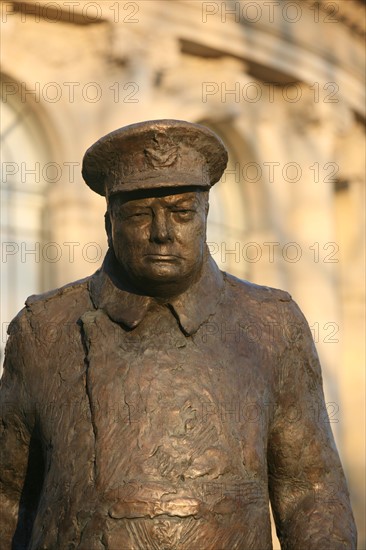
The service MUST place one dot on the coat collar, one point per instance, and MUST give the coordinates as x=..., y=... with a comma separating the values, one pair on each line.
x=123, y=305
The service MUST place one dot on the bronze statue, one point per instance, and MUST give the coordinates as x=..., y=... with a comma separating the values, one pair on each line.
x=161, y=403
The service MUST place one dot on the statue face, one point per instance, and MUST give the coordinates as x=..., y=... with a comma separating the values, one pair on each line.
x=159, y=240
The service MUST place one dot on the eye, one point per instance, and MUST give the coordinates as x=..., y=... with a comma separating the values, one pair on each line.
x=183, y=210
x=139, y=214
x=184, y=214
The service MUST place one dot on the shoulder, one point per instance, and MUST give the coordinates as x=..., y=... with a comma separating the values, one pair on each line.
x=265, y=306
x=63, y=294
x=246, y=290
x=59, y=305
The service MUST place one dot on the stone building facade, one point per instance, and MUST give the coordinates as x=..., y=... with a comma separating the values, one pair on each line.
x=281, y=82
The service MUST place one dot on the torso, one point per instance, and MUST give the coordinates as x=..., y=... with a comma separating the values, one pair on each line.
x=175, y=432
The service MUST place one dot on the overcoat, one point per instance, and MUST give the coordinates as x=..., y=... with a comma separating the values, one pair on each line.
x=135, y=424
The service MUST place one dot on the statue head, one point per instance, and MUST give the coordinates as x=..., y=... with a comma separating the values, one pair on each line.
x=156, y=177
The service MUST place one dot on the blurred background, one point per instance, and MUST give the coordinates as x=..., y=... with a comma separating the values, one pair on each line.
x=281, y=82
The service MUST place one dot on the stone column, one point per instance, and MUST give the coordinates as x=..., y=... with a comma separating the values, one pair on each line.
x=295, y=144
x=76, y=234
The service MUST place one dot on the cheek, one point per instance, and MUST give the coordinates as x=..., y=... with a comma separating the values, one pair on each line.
x=122, y=243
x=193, y=235
x=126, y=236
x=198, y=229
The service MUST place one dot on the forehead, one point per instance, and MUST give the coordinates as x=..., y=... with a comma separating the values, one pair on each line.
x=163, y=197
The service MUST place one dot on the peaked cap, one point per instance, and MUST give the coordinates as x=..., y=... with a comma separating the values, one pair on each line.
x=154, y=154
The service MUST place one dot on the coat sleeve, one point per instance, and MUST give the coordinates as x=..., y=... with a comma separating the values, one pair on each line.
x=20, y=457
x=307, y=486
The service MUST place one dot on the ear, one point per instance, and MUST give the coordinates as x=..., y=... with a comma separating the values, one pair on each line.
x=206, y=199
x=108, y=228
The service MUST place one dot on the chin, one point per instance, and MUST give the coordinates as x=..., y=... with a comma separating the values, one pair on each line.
x=163, y=275
x=163, y=282
x=158, y=271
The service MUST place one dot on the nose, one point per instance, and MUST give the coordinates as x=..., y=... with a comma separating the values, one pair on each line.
x=161, y=228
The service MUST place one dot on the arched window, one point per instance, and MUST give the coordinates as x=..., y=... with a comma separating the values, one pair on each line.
x=23, y=154
x=227, y=227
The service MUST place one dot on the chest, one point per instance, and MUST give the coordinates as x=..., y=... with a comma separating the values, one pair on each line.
x=180, y=407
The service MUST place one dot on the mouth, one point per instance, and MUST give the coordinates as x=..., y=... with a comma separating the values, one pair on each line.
x=162, y=257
